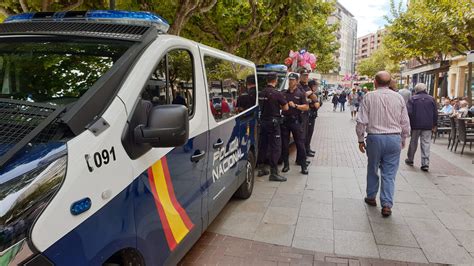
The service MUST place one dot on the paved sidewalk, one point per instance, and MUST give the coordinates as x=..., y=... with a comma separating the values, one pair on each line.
x=324, y=212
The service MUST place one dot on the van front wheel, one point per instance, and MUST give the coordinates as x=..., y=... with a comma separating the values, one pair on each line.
x=245, y=190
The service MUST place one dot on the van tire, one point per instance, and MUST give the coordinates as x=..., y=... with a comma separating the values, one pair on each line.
x=245, y=190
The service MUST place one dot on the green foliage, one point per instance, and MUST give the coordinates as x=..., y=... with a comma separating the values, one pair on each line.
x=378, y=61
x=429, y=29
x=261, y=31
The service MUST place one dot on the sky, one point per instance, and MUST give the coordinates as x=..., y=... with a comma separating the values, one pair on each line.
x=368, y=13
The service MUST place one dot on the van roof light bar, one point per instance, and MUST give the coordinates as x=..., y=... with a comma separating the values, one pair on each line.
x=111, y=16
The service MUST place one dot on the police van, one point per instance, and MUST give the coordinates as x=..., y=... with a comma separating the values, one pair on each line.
x=279, y=69
x=111, y=150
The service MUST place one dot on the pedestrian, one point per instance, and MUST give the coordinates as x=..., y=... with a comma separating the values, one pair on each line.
x=292, y=123
x=313, y=114
x=246, y=99
x=383, y=115
x=354, y=103
x=406, y=94
x=423, y=114
x=269, y=149
x=342, y=101
x=335, y=100
x=309, y=96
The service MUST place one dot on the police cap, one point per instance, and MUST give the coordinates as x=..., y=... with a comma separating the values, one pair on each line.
x=313, y=82
x=271, y=76
x=304, y=71
x=293, y=75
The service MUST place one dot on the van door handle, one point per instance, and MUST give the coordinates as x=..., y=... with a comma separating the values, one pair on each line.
x=218, y=144
x=197, y=156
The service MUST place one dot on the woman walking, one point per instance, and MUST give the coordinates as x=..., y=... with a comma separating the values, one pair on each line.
x=335, y=100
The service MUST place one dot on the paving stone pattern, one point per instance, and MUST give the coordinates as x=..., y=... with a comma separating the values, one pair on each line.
x=321, y=219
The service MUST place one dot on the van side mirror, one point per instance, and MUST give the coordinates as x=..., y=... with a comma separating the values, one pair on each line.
x=168, y=126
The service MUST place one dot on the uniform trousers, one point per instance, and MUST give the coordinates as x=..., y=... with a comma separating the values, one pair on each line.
x=269, y=148
x=295, y=127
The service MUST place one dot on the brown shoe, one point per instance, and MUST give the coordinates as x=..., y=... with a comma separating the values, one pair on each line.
x=386, y=211
x=370, y=202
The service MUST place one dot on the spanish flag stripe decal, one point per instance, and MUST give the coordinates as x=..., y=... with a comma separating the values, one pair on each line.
x=175, y=221
x=175, y=202
x=166, y=227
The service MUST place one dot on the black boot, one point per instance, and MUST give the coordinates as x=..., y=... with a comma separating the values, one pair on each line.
x=310, y=154
x=286, y=167
x=274, y=176
x=304, y=170
x=262, y=171
x=306, y=163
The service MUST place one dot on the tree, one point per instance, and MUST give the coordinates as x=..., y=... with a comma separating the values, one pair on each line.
x=265, y=31
x=430, y=29
x=378, y=61
x=261, y=31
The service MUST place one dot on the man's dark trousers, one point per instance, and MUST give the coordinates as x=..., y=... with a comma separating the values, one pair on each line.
x=293, y=126
x=309, y=132
x=269, y=149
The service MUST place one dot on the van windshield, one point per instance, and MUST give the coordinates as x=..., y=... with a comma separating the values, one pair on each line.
x=52, y=70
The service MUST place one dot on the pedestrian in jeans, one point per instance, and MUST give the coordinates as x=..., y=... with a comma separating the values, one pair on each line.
x=423, y=113
x=342, y=100
x=383, y=115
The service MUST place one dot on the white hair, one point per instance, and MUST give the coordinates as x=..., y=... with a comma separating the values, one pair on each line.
x=420, y=87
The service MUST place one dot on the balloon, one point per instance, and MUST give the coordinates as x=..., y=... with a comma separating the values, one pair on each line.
x=301, y=63
x=293, y=54
x=288, y=61
x=313, y=66
x=302, y=51
x=312, y=58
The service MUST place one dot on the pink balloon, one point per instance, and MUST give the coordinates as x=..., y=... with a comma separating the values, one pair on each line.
x=312, y=59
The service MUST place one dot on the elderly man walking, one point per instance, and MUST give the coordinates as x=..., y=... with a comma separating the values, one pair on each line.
x=383, y=115
x=423, y=114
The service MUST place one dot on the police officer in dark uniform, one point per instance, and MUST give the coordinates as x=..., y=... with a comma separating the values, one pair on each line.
x=269, y=150
x=292, y=122
x=247, y=99
x=313, y=114
x=310, y=96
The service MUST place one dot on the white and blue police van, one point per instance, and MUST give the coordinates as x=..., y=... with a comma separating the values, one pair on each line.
x=111, y=150
x=282, y=75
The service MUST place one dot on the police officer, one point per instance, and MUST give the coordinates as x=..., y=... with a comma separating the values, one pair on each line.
x=310, y=96
x=247, y=97
x=292, y=123
x=269, y=149
x=313, y=114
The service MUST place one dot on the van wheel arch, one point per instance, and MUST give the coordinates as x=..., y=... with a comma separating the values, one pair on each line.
x=246, y=188
x=126, y=257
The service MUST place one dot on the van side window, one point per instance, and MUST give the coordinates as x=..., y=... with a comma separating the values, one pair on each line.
x=231, y=87
x=172, y=82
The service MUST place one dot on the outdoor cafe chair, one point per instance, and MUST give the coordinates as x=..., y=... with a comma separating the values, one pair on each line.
x=463, y=135
x=443, y=126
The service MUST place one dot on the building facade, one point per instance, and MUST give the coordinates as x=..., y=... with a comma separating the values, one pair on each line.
x=368, y=44
x=347, y=38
